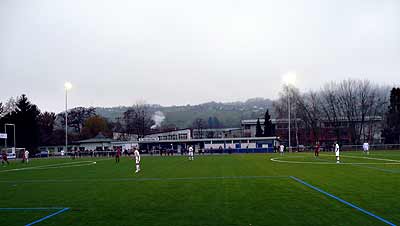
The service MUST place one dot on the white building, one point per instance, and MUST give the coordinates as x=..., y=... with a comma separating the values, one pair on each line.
x=183, y=134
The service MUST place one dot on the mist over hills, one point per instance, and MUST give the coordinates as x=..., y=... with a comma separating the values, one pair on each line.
x=229, y=114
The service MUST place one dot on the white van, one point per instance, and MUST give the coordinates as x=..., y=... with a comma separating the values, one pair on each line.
x=11, y=153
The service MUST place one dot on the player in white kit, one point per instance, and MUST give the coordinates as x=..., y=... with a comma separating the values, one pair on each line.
x=337, y=153
x=26, y=156
x=366, y=148
x=191, y=153
x=281, y=149
x=137, y=160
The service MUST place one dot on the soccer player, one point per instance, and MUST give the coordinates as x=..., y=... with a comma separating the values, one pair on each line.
x=337, y=153
x=4, y=158
x=281, y=149
x=26, y=156
x=366, y=148
x=317, y=149
x=191, y=153
x=117, y=155
x=137, y=160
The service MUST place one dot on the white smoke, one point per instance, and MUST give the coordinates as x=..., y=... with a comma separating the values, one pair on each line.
x=158, y=118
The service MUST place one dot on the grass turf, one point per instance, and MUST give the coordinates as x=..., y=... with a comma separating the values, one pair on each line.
x=244, y=190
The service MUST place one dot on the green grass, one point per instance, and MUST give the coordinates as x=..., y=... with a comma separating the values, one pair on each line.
x=212, y=190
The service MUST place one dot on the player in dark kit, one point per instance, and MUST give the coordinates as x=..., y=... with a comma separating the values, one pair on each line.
x=317, y=148
x=4, y=158
x=117, y=155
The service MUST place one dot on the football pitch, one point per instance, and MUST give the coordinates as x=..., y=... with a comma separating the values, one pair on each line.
x=245, y=189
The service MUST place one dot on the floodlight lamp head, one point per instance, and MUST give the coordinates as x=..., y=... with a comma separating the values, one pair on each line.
x=289, y=78
x=67, y=85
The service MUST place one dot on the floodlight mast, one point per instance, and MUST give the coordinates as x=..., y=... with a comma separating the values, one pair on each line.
x=289, y=79
x=67, y=87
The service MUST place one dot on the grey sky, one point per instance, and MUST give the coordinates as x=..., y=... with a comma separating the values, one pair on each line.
x=187, y=52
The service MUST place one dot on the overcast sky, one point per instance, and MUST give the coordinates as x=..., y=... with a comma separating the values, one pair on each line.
x=174, y=52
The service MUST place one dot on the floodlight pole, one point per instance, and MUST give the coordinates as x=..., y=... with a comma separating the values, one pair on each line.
x=289, y=118
x=66, y=120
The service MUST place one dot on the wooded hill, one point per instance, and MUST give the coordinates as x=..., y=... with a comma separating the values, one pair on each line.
x=221, y=114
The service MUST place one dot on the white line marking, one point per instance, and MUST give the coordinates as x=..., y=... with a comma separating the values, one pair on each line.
x=379, y=159
x=388, y=161
x=53, y=166
x=138, y=179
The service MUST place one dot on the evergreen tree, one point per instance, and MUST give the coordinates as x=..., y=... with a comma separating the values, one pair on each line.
x=213, y=123
x=25, y=118
x=259, y=131
x=46, y=123
x=210, y=123
x=391, y=133
x=269, y=128
x=217, y=123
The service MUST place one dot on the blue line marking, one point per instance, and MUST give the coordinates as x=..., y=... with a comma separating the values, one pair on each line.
x=48, y=216
x=343, y=201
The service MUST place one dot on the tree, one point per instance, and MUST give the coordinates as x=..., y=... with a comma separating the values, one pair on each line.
x=199, y=125
x=46, y=123
x=24, y=115
x=138, y=119
x=309, y=111
x=94, y=125
x=210, y=123
x=353, y=102
x=351, y=109
x=8, y=107
x=281, y=107
x=77, y=117
x=213, y=123
x=391, y=132
x=116, y=126
x=259, y=131
x=269, y=128
x=330, y=107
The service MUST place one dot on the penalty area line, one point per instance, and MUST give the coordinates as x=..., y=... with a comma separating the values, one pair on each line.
x=59, y=211
x=48, y=216
x=343, y=201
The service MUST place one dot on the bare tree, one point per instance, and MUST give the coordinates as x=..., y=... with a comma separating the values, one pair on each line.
x=138, y=119
x=281, y=106
x=310, y=112
x=373, y=99
x=76, y=117
x=330, y=107
x=359, y=99
x=348, y=100
x=351, y=106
